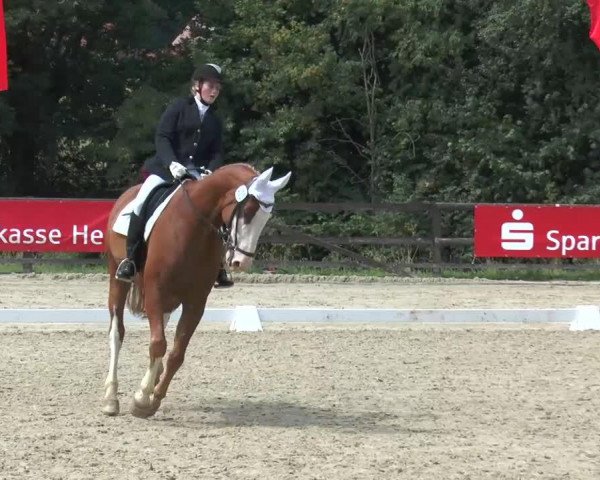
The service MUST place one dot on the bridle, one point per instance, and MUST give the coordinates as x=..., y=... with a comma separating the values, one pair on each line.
x=230, y=239
x=226, y=231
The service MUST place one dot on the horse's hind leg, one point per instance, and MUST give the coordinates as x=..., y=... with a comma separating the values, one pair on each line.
x=117, y=295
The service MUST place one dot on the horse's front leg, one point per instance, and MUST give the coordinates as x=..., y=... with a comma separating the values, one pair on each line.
x=145, y=402
x=190, y=317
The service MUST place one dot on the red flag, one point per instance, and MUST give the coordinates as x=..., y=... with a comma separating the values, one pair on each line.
x=3, y=57
x=594, y=21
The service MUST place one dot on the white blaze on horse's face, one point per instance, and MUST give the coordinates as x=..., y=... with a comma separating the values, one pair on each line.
x=246, y=231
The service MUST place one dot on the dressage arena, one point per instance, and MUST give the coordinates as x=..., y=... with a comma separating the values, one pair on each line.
x=300, y=401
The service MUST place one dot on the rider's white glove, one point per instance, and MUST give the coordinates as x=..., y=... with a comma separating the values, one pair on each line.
x=177, y=170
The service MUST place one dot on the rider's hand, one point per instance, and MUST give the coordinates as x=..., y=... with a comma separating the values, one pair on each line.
x=177, y=170
x=204, y=172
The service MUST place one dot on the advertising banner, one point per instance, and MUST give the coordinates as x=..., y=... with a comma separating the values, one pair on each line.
x=36, y=225
x=537, y=231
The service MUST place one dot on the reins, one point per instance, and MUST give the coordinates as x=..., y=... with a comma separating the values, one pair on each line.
x=201, y=216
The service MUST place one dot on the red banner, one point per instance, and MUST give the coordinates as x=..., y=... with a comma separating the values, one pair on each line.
x=541, y=231
x=32, y=225
x=3, y=57
x=594, y=6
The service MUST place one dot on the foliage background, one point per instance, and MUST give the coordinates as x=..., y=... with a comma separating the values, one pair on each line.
x=366, y=100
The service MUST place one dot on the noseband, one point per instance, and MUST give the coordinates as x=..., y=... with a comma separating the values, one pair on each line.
x=225, y=231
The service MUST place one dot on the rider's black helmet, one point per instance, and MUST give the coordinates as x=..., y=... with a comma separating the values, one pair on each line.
x=208, y=71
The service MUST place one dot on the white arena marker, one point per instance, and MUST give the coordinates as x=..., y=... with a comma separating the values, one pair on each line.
x=245, y=318
x=587, y=317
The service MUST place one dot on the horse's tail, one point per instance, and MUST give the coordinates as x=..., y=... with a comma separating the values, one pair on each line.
x=135, y=298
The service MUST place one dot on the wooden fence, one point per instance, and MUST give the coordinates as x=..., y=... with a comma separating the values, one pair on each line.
x=435, y=243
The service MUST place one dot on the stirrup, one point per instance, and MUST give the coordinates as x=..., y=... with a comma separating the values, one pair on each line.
x=126, y=270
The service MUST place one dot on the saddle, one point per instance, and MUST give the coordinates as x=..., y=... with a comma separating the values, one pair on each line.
x=152, y=206
x=155, y=198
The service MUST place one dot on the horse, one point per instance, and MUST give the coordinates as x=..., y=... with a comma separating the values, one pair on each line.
x=219, y=217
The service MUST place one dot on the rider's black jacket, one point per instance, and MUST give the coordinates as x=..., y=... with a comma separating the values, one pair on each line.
x=182, y=136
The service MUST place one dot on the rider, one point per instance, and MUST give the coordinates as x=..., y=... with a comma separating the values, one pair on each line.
x=188, y=142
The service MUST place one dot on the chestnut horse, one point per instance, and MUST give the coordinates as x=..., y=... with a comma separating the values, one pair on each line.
x=219, y=216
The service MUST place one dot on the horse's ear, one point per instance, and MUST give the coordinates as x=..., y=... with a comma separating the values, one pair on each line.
x=280, y=182
x=264, y=189
x=265, y=176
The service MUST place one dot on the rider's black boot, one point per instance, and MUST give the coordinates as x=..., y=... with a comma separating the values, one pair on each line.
x=135, y=237
x=223, y=280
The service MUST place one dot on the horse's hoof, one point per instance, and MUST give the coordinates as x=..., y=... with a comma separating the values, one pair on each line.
x=144, y=409
x=111, y=407
x=141, y=412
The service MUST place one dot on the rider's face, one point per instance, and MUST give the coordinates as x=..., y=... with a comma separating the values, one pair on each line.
x=209, y=91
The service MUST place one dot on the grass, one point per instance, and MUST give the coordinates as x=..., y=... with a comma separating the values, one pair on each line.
x=589, y=274
x=52, y=268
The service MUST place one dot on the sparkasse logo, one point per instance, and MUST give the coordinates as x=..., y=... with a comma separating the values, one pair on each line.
x=517, y=235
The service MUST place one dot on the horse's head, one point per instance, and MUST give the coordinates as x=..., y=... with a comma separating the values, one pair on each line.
x=247, y=216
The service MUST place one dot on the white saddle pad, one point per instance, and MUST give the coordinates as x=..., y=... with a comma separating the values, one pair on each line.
x=122, y=222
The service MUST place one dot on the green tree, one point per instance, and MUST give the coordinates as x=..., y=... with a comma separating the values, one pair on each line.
x=72, y=65
x=383, y=100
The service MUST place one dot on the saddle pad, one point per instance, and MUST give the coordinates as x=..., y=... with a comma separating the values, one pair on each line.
x=158, y=199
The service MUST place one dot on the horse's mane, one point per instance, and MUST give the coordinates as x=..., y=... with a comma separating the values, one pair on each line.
x=225, y=168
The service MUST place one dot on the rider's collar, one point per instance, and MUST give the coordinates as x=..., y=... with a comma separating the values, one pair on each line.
x=202, y=105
